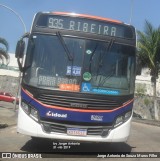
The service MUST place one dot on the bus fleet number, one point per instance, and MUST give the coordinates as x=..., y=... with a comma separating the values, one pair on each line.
x=55, y=23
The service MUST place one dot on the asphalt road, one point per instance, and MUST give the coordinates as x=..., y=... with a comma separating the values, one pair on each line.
x=143, y=138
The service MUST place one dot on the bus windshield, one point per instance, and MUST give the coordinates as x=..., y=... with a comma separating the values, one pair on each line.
x=96, y=66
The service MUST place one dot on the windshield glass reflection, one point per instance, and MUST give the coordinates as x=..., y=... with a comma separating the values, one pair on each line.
x=96, y=67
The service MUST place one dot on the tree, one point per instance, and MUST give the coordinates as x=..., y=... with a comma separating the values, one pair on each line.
x=4, y=51
x=149, y=54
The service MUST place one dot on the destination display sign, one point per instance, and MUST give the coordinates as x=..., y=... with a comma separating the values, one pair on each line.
x=85, y=25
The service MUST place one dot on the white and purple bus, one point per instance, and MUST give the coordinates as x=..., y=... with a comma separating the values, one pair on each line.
x=78, y=78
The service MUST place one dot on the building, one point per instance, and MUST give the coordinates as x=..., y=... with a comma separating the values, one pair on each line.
x=9, y=76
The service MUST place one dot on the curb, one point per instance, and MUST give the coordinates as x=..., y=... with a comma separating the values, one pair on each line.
x=148, y=122
x=3, y=126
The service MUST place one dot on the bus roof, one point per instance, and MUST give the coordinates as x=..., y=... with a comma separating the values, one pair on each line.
x=87, y=16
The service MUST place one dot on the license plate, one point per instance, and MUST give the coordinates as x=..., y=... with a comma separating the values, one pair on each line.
x=77, y=131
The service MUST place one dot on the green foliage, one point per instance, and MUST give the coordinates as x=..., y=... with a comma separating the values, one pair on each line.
x=140, y=89
x=4, y=43
x=147, y=101
x=149, y=46
x=149, y=54
x=4, y=57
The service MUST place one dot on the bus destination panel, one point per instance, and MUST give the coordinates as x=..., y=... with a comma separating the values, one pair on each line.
x=85, y=25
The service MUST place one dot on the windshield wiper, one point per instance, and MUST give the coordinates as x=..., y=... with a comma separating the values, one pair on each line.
x=100, y=64
x=92, y=55
x=70, y=57
x=108, y=49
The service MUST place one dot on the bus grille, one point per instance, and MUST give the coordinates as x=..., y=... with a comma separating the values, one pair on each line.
x=62, y=129
x=81, y=102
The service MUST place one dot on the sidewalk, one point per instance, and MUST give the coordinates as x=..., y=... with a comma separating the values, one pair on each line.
x=8, y=115
x=149, y=122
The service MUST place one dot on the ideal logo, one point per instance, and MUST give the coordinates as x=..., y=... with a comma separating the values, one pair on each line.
x=50, y=113
x=96, y=118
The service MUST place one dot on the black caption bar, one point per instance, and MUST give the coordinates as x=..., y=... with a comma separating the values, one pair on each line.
x=21, y=155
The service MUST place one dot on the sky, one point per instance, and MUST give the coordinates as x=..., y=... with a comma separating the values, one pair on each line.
x=11, y=28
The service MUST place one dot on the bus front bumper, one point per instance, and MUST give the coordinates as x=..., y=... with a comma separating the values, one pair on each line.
x=27, y=126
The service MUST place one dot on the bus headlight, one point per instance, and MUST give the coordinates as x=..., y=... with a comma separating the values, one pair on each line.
x=118, y=121
x=122, y=118
x=30, y=110
x=25, y=107
x=127, y=115
x=34, y=114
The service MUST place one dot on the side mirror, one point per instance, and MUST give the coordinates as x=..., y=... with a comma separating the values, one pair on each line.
x=20, y=49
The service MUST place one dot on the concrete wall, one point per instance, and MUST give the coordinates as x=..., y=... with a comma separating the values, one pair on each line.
x=9, y=84
x=9, y=80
